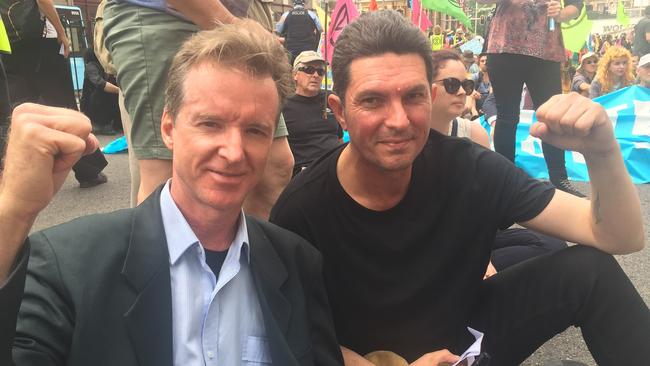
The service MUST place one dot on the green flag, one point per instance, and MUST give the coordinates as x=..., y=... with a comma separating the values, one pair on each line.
x=449, y=7
x=576, y=31
x=621, y=17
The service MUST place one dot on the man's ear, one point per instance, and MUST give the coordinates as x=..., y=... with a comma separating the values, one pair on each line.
x=337, y=108
x=167, y=129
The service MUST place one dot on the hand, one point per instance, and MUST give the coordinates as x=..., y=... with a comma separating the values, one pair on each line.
x=553, y=9
x=44, y=143
x=490, y=271
x=573, y=122
x=63, y=40
x=436, y=358
x=476, y=95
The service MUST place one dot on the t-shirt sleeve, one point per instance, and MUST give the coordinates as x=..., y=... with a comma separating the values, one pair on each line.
x=515, y=196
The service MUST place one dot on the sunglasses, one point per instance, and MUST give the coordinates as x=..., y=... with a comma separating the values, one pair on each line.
x=311, y=70
x=452, y=85
x=590, y=62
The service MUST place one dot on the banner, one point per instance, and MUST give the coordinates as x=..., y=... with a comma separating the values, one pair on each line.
x=449, y=7
x=629, y=110
x=419, y=17
x=344, y=13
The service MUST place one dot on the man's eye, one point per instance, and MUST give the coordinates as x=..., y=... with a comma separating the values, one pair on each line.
x=371, y=102
x=258, y=132
x=415, y=97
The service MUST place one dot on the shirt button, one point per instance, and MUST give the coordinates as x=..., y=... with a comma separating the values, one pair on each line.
x=210, y=354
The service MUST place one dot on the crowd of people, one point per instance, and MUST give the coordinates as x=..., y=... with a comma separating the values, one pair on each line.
x=258, y=236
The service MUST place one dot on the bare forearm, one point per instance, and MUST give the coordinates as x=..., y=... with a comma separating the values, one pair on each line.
x=47, y=8
x=568, y=13
x=616, y=217
x=14, y=229
x=111, y=88
x=204, y=13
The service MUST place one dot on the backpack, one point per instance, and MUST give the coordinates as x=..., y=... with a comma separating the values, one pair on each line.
x=22, y=20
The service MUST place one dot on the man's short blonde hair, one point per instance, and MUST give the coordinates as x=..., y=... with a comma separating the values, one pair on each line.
x=245, y=45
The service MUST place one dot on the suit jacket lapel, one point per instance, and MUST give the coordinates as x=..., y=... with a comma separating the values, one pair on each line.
x=146, y=269
x=270, y=274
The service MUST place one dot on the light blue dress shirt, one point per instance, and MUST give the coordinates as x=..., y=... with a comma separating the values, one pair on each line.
x=215, y=321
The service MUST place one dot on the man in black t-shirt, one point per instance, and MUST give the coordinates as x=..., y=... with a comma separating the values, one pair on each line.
x=641, y=45
x=405, y=219
x=313, y=129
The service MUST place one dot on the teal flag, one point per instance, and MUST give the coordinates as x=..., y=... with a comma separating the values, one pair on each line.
x=449, y=7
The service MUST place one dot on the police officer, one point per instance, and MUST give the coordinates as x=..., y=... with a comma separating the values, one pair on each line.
x=300, y=28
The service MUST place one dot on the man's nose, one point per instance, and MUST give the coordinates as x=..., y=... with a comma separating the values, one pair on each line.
x=232, y=147
x=397, y=117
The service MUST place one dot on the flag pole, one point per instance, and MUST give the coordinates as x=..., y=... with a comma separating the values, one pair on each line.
x=325, y=30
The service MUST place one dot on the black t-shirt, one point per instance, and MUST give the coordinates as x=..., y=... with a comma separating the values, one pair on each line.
x=310, y=135
x=406, y=279
x=640, y=45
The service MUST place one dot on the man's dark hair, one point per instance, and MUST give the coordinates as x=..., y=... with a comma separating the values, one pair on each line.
x=372, y=34
x=647, y=11
x=438, y=57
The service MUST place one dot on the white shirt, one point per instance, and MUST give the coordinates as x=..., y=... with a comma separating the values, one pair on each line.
x=215, y=321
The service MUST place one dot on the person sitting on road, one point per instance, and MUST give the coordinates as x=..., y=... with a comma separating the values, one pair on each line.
x=614, y=72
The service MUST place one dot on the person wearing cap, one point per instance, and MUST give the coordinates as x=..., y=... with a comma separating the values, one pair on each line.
x=300, y=28
x=313, y=129
x=643, y=71
x=470, y=62
x=585, y=74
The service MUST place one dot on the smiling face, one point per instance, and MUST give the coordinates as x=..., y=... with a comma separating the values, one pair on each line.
x=308, y=85
x=448, y=106
x=221, y=137
x=618, y=67
x=387, y=110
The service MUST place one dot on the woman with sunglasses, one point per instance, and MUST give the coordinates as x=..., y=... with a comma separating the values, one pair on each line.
x=614, y=72
x=525, y=46
x=585, y=74
x=512, y=245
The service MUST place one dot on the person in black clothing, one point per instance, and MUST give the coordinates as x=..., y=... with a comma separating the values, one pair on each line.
x=300, y=28
x=99, y=97
x=641, y=43
x=37, y=72
x=405, y=218
x=313, y=129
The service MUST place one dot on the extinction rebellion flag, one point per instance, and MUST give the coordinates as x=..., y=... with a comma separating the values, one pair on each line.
x=344, y=13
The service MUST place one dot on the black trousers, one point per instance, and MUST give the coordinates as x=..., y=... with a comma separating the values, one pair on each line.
x=508, y=73
x=527, y=304
x=37, y=73
x=512, y=246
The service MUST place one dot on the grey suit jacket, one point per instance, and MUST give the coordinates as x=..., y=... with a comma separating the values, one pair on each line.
x=97, y=292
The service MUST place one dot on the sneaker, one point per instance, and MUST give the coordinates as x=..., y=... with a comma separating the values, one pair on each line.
x=566, y=186
x=99, y=179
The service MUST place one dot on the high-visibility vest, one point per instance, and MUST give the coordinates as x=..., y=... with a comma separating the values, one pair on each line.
x=4, y=39
x=436, y=42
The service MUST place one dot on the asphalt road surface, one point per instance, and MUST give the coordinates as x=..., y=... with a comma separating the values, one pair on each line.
x=73, y=202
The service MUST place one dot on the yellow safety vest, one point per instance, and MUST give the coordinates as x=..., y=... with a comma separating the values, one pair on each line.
x=4, y=40
x=436, y=42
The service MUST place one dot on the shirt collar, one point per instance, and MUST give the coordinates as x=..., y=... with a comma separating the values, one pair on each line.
x=180, y=236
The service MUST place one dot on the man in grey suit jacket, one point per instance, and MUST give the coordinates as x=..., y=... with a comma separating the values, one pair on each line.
x=185, y=278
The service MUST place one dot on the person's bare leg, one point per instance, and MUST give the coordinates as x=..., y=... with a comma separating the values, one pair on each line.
x=277, y=175
x=134, y=169
x=152, y=174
